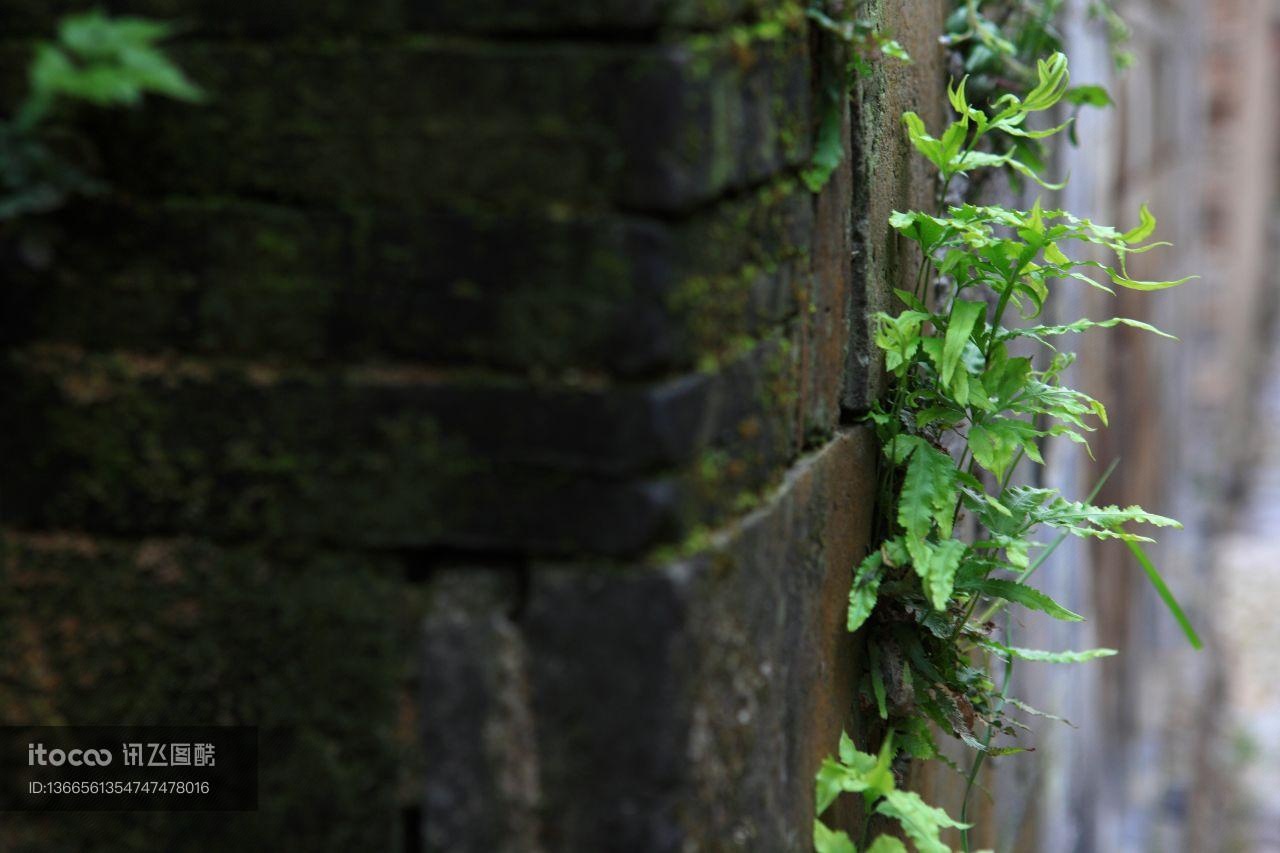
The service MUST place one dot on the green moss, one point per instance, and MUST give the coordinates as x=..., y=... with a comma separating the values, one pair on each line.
x=310, y=648
x=230, y=454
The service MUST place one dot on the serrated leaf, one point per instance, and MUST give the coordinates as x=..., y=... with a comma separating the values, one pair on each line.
x=1081, y=326
x=1088, y=95
x=928, y=492
x=826, y=840
x=1035, y=712
x=941, y=572
x=922, y=822
x=863, y=592
x=1028, y=597
x=1133, y=284
x=1043, y=656
x=856, y=760
x=833, y=779
x=886, y=844
x=995, y=443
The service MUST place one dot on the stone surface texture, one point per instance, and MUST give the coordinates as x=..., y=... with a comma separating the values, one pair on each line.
x=467, y=394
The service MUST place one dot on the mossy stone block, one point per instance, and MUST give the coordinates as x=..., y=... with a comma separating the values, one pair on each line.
x=660, y=127
x=310, y=648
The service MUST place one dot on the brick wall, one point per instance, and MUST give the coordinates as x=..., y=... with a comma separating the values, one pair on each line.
x=462, y=396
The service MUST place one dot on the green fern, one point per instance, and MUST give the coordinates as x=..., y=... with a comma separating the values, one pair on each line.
x=957, y=385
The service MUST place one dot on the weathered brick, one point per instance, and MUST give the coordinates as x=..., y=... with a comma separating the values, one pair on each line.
x=662, y=127
x=506, y=16
x=226, y=278
x=482, y=777
x=220, y=17
x=628, y=294
x=312, y=649
x=665, y=699
x=828, y=312
x=342, y=18
x=128, y=444
x=889, y=175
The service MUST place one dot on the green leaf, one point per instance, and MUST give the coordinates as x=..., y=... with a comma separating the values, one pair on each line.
x=827, y=840
x=1026, y=171
x=879, y=778
x=996, y=441
x=1052, y=81
x=941, y=571
x=1035, y=134
x=860, y=762
x=964, y=315
x=108, y=61
x=1146, y=226
x=886, y=844
x=978, y=160
x=1162, y=589
x=1028, y=597
x=834, y=779
x=1081, y=326
x=1044, y=656
x=877, y=680
x=1036, y=712
x=1132, y=284
x=891, y=48
x=863, y=592
x=899, y=337
x=927, y=145
x=921, y=821
x=911, y=300
x=1044, y=506
x=1088, y=95
x=828, y=149
x=928, y=492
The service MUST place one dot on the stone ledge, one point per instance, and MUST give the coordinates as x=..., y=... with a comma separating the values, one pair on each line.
x=681, y=705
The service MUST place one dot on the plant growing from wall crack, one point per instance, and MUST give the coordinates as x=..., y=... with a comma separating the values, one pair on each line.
x=968, y=402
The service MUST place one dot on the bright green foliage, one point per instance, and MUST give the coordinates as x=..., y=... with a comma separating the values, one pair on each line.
x=98, y=60
x=887, y=844
x=971, y=399
x=106, y=61
x=872, y=776
x=1028, y=597
x=1047, y=657
x=1166, y=596
x=921, y=821
x=998, y=42
x=827, y=840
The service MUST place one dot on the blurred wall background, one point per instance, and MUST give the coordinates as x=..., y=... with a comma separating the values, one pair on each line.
x=1155, y=762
